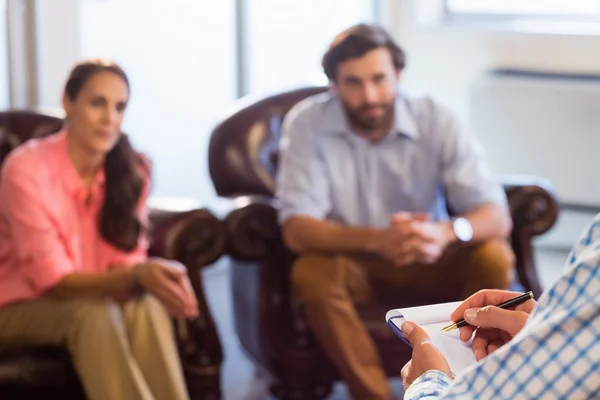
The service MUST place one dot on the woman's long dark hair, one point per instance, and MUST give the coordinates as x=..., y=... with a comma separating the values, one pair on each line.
x=119, y=222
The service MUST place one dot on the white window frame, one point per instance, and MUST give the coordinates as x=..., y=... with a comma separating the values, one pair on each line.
x=436, y=14
x=20, y=30
x=554, y=16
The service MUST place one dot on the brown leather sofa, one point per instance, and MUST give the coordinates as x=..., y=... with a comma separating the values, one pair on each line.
x=269, y=323
x=195, y=237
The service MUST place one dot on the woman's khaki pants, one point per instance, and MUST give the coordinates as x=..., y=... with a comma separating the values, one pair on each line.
x=123, y=351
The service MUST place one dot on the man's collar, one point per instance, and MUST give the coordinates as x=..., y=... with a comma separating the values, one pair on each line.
x=335, y=121
x=404, y=121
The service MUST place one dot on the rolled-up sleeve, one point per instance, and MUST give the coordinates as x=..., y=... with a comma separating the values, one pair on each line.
x=302, y=188
x=468, y=179
x=38, y=246
x=431, y=385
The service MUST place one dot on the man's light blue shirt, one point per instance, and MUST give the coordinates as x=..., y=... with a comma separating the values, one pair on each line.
x=426, y=162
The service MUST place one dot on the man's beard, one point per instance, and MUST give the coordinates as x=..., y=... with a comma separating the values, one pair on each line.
x=359, y=119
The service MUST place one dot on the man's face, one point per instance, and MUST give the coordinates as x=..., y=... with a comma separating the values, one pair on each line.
x=367, y=88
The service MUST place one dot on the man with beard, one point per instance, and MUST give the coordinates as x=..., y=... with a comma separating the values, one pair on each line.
x=366, y=177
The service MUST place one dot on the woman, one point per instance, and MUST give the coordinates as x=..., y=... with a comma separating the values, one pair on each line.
x=74, y=270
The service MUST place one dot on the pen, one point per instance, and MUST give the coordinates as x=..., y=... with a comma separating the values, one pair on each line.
x=505, y=305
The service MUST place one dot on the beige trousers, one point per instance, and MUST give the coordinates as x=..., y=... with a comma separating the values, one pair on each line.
x=121, y=352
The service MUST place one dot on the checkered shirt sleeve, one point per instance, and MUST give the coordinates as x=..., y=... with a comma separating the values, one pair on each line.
x=557, y=353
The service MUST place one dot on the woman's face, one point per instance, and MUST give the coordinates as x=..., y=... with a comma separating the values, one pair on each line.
x=96, y=113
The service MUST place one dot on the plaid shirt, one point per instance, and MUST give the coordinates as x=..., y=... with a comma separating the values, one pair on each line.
x=557, y=353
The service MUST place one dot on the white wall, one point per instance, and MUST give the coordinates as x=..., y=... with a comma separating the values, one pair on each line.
x=444, y=61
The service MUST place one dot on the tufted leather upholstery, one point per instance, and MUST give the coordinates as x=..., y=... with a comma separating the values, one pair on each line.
x=271, y=328
x=243, y=155
x=195, y=237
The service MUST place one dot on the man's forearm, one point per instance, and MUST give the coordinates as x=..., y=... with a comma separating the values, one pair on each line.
x=489, y=222
x=94, y=285
x=305, y=234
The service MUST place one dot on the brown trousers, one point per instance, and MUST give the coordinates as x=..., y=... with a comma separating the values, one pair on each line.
x=329, y=286
x=120, y=352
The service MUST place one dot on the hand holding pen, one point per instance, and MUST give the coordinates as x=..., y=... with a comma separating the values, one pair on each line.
x=494, y=315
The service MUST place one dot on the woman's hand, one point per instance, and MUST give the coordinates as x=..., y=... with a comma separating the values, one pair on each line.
x=493, y=326
x=168, y=281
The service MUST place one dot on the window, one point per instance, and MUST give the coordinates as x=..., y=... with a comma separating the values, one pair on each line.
x=286, y=39
x=180, y=59
x=525, y=7
x=563, y=17
x=188, y=61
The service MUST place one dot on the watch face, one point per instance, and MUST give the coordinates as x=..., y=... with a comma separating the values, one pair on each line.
x=463, y=229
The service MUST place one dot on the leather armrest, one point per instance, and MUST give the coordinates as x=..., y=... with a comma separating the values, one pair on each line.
x=195, y=238
x=252, y=228
x=260, y=271
x=533, y=203
x=534, y=209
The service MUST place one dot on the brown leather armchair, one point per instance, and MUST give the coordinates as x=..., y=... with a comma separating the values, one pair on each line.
x=195, y=237
x=269, y=323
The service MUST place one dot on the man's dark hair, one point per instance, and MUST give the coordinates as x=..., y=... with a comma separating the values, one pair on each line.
x=355, y=42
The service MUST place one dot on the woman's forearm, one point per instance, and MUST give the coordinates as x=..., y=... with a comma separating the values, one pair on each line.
x=79, y=284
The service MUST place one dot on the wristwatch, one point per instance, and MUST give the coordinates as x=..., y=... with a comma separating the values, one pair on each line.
x=462, y=229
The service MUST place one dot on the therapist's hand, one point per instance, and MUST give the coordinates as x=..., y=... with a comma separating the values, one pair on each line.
x=493, y=326
x=425, y=355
